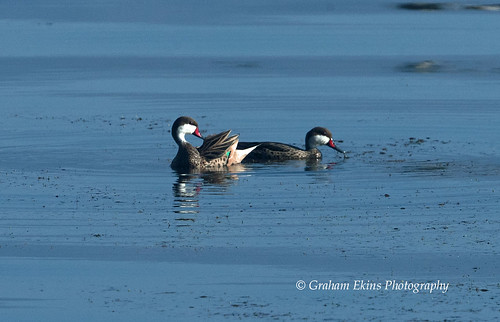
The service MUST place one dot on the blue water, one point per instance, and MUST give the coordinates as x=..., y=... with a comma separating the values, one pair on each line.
x=95, y=224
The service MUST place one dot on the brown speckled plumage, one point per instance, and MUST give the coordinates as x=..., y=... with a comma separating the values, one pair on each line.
x=214, y=154
x=275, y=151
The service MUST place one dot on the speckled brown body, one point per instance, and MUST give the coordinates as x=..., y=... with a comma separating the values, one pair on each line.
x=274, y=151
x=188, y=158
x=212, y=155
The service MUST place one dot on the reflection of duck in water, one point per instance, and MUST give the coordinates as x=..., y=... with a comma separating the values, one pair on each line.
x=188, y=187
x=186, y=195
x=274, y=151
x=216, y=152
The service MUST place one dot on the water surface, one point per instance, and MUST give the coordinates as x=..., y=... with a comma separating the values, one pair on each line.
x=96, y=224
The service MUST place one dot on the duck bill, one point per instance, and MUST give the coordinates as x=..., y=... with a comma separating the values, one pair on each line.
x=335, y=147
x=197, y=133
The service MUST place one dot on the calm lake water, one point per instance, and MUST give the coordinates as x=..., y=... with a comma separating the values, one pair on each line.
x=95, y=224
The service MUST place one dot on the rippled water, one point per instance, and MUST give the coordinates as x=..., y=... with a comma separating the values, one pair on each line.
x=96, y=224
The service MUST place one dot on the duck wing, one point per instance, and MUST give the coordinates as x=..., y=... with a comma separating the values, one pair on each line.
x=217, y=145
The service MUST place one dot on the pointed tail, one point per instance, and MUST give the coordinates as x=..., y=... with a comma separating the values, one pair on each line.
x=236, y=156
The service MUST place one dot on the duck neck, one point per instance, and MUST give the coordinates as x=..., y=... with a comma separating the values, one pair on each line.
x=309, y=146
x=179, y=138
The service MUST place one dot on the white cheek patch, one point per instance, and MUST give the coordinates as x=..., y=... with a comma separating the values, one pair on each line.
x=185, y=129
x=317, y=140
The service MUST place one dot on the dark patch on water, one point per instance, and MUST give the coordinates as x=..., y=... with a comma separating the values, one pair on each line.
x=421, y=6
x=438, y=6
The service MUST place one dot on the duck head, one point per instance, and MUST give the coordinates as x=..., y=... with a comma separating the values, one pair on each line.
x=320, y=136
x=182, y=126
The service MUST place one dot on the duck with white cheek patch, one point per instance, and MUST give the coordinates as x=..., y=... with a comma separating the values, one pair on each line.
x=275, y=151
x=216, y=152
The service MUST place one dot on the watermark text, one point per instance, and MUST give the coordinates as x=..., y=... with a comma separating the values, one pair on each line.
x=367, y=285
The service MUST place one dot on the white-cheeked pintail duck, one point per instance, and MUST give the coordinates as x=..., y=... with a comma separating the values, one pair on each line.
x=216, y=152
x=275, y=151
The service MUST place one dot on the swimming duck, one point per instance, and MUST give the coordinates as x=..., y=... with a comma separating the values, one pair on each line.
x=274, y=151
x=216, y=152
